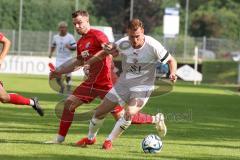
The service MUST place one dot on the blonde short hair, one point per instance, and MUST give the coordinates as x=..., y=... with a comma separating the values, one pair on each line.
x=62, y=24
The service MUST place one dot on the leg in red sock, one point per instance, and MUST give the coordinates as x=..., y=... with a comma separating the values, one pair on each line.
x=18, y=99
x=139, y=118
x=68, y=113
x=66, y=121
x=142, y=118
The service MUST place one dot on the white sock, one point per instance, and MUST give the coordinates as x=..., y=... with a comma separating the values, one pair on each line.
x=94, y=126
x=120, y=126
x=154, y=119
x=31, y=102
x=60, y=138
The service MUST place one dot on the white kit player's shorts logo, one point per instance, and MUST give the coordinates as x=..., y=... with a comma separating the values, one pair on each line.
x=124, y=45
x=85, y=53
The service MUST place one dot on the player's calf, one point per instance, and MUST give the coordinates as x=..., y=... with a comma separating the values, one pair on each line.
x=4, y=98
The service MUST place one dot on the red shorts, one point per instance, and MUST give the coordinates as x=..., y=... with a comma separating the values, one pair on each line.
x=88, y=92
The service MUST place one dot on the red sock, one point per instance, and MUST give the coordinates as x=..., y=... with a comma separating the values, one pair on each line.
x=141, y=118
x=18, y=99
x=66, y=121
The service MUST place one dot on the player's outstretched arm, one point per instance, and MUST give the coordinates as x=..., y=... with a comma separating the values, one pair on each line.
x=173, y=67
x=6, y=46
x=68, y=67
x=108, y=48
x=97, y=57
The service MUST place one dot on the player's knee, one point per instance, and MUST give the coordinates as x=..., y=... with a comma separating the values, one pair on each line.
x=69, y=105
x=128, y=115
x=140, y=103
x=130, y=112
x=4, y=98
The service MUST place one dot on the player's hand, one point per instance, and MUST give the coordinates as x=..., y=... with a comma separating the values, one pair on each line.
x=110, y=48
x=54, y=74
x=86, y=68
x=173, y=77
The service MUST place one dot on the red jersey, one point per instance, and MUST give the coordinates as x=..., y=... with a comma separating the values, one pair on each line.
x=1, y=36
x=87, y=46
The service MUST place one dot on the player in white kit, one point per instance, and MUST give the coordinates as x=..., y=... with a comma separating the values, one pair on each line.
x=140, y=53
x=64, y=43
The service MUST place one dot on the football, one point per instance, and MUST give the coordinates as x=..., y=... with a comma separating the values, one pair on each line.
x=152, y=144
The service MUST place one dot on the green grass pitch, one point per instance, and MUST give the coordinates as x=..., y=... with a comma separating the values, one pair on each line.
x=203, y=123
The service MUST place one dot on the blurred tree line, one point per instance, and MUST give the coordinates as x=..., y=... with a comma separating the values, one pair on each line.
x=215, y=18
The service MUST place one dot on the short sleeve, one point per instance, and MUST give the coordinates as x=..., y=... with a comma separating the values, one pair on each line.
x=72, y=41
x=1, y=36
x=162, y=54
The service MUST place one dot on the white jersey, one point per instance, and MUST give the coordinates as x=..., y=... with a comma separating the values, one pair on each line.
x=139, y=65
x=62, y=53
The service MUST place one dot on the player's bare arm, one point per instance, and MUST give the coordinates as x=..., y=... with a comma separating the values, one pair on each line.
x=173, y=67
x=97, y=57
x=110, y=48
x=73, y=65
x=51, y=52
x=6, y=46
x=72, y=48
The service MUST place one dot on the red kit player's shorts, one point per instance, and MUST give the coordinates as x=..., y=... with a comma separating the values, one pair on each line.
x=87, y=92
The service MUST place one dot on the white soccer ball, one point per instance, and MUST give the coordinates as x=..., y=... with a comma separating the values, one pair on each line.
x=152, y=144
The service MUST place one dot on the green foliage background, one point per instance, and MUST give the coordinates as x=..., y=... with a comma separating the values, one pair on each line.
x=207, y=18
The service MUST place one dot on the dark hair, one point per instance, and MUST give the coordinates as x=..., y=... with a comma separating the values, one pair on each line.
x=81, y=13
x=135, y=24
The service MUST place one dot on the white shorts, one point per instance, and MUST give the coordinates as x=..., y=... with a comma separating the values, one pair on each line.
x=121, y=94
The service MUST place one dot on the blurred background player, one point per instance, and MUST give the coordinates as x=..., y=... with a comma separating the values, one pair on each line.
x=64, y=43
x=99, y=76
x=140, y=53
x=14, y=98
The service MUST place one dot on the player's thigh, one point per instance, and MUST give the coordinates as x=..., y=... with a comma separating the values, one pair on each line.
x=105, y=107
x=4, y=97
x=85, y=93
x=72, y=102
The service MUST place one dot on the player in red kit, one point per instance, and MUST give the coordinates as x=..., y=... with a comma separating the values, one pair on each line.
x=14, y=98
x=99, y=78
